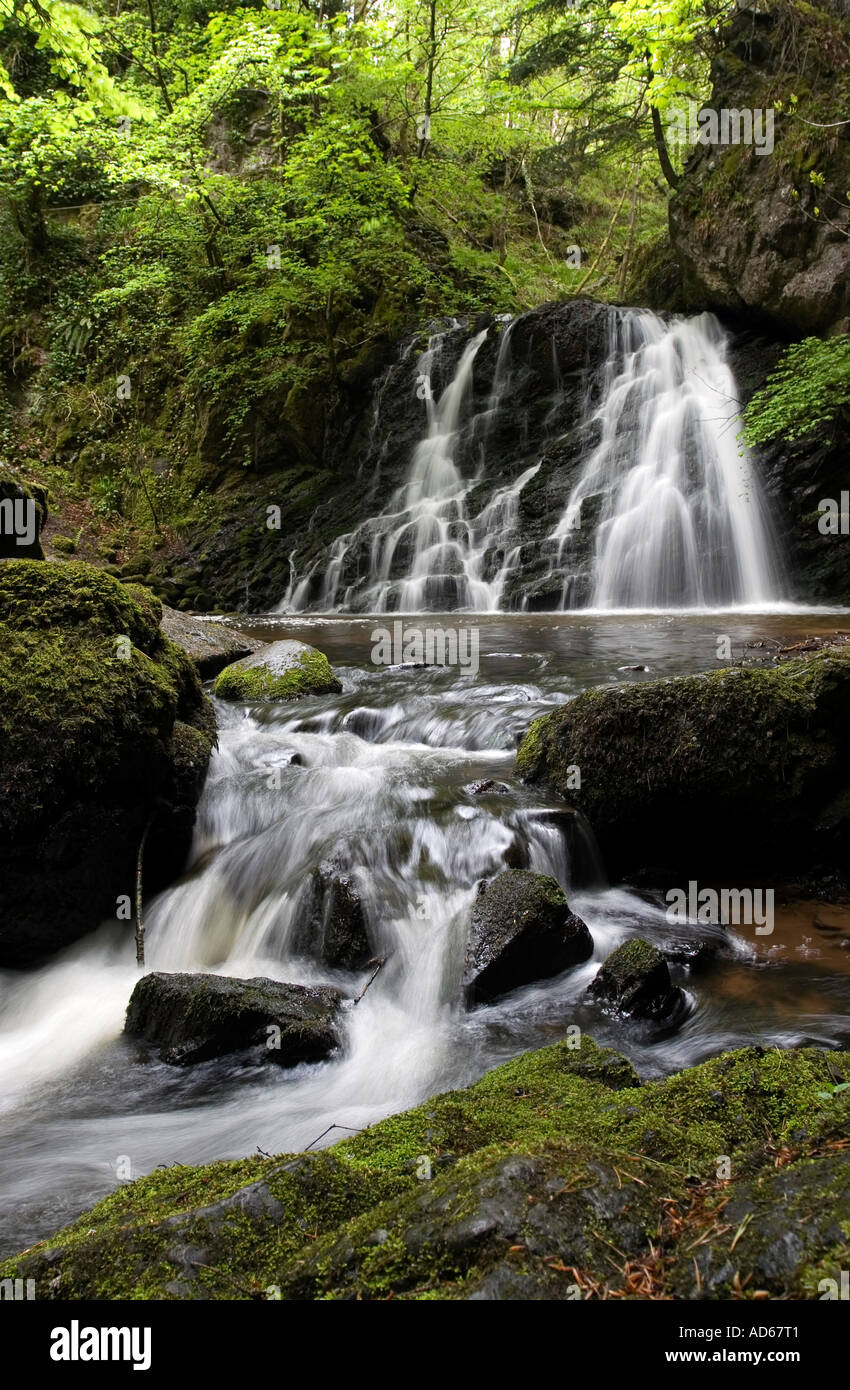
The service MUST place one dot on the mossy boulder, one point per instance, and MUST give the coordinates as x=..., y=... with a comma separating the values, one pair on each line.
x=102, y=725
x=191, y=1018
x=281, y=671
x=556, y=1176
x=521, y=930
x=635, y=981
x=737, y=772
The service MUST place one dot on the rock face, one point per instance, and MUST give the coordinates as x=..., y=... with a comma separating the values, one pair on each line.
x=102, y=725
x=744, y=226
x=191, y=1018
x=738, y=772
x=335, y=925
x=521, y=930
x=635, y=981
x=23, y=512
x=514, y=1188
x=210, y=646
x=281, y=671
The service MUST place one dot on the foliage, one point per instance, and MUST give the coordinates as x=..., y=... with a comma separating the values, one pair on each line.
x=809, y=390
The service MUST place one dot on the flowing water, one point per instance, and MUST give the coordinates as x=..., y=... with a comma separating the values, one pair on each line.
x=681, y=522
x=666, y=491
x=381, y=777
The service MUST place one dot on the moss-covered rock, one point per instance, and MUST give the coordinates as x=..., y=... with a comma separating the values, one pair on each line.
x=635, y=981
x=555, y=1176
x=102, y=722
x=281, y=671
x=735, y=772
x=521, y=930
x=190, y=1018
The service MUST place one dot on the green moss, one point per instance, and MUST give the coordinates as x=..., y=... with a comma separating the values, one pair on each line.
x=90, y=691
x=309, y=674
x=583, y=1158
x=675, y=767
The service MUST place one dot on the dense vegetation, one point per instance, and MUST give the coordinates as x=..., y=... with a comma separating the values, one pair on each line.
x=206, y=209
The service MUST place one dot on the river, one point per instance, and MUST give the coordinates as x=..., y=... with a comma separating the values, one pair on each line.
x=382, y=778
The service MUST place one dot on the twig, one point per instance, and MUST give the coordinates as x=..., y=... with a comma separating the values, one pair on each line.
x=382, y=960
x=354, y=1130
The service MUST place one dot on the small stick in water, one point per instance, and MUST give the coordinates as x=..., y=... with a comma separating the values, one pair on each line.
x=379, y=962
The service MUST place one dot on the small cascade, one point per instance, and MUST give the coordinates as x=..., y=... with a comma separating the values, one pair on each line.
x=668, y=491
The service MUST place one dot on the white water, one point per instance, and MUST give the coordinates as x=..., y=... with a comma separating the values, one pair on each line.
x=666, y=489
x=422, y=553
x=383, y=786
x=681, y=522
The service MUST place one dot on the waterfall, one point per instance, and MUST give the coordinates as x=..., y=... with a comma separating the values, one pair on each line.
x=680, y=521
x=422, y=553
x=658, y=505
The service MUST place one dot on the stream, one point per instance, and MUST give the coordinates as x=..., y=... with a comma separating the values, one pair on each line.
x=382, y=778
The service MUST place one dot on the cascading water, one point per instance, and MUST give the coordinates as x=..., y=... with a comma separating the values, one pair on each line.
x=680, y=521
x=422, y=553
x=662, y=508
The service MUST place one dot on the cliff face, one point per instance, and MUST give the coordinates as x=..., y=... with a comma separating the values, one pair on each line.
x=751, y=232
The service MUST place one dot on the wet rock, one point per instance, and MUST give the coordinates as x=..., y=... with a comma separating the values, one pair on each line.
x=210, y=645
x=487, y=787
x=736, y=774
x=635, y=980
x=191, y=1018
x=521, y=930
x=281, y=671
x=335, y=924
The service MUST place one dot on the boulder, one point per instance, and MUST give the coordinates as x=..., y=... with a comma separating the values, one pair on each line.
x=521, y=930
x=635, y=981
x=191, y=1018
x=104, y=730
x=208, y=644
x=334, y=927
x=281, y=671
x=739, y=773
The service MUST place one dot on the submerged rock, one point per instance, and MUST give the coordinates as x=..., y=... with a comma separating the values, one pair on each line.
x=209, y=645
x=104, y=729
x=191, y=1018
x=741, y=772
x=281, y=671
x=537, y=1195
x=635, y=980
x=521, y=930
